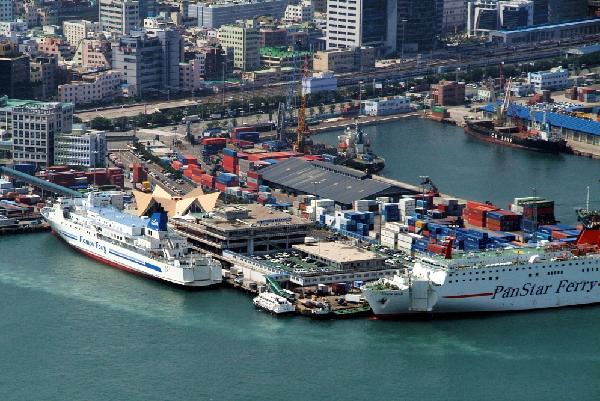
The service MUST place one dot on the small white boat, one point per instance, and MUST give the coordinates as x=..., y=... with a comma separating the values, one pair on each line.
x=273, y=303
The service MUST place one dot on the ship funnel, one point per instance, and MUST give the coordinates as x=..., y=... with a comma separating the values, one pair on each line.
x=158, y=221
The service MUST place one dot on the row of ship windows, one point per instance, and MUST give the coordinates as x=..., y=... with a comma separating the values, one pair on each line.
x=552, y=273
x=516, y=269
x=471, y=279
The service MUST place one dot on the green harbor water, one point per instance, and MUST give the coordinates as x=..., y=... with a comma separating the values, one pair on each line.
x=74, y=329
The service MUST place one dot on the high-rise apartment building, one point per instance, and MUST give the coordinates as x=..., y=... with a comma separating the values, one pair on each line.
x=6, y=10
x=121, y=16
x=419, y=24
x=243, y=39
x=454, y=16
x=14, y=70
x=356, y=23
x=171, y=55
x=76, y=31
x=43, y=74
x=138, y=57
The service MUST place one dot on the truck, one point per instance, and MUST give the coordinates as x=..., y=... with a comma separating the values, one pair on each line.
x=214, y=116
x=190, y=119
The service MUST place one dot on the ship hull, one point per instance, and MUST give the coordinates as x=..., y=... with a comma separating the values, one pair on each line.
x=369, y=167
x=488, y=134
x=498, y=290
x=124, y=259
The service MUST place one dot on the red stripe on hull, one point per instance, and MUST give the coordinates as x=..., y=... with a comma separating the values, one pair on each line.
x=489, y=139
x=483, y=294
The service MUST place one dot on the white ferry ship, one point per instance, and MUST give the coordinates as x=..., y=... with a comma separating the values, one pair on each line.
x=548, y=276
x=273, y=303
x=97, y=226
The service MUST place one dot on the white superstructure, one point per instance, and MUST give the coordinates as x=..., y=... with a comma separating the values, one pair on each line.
x=506, y=280
x=97, y=226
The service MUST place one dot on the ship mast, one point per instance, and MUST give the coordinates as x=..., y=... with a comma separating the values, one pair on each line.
x=303, y=132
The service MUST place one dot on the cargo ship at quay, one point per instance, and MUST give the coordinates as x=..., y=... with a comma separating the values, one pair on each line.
x=510, y=279
x=98, y=227
x=501, y=131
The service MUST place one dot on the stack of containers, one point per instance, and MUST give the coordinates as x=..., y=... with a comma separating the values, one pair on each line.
x=390, y=212
x=230, y=161
x=503, y=220
x=557, y=232
x=366, y=206
x=176, y=165
x=266, y=198
x=139, y=173
x=451, y=207
x=212, y=146
x=535, y=211
x=236, y=131
x=187, y=159
x=390, y=233
x=225, y=180
x=323, y=207
x=253, y=179
x=407, y=207
x=208, y=181
x=248, y=136
x=472, y=240
x=475, y=214
x=116, y=176
x=194, y=173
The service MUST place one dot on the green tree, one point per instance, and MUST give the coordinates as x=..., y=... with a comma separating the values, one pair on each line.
x=321, y=109
x=101, y=123
x=332, y=108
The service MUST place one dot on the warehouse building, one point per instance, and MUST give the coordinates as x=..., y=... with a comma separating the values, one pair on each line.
x=327, y=181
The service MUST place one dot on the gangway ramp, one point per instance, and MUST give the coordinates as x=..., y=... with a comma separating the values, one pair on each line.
x=39, y=183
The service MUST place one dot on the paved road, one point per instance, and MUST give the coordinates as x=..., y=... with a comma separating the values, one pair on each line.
x=477, y=57
x=156, y=174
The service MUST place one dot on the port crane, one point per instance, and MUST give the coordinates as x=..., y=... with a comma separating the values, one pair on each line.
x=303, y=143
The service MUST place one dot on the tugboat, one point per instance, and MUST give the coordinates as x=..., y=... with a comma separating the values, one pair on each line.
x=355, y=151
x=501, y=131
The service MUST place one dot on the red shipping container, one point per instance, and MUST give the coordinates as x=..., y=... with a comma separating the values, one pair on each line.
x=219, y=186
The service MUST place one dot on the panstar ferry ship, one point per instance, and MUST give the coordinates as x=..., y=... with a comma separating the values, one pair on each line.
x=548, y=276
x=97, y=226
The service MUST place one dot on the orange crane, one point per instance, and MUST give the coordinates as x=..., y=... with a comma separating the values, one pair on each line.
x=303, y=142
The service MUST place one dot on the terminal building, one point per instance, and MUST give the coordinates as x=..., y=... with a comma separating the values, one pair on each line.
x=319, y=263
x=250, y=229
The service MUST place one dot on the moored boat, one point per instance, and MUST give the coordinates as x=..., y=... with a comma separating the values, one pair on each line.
x=273, y=303
x=98, y=227
x=548, y=275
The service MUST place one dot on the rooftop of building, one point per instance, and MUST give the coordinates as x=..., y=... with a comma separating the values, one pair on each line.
x=328, y=181
x=251, y=216
x=337, y=252
x=232, y=3
x=5, y=102
x=282, y=51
